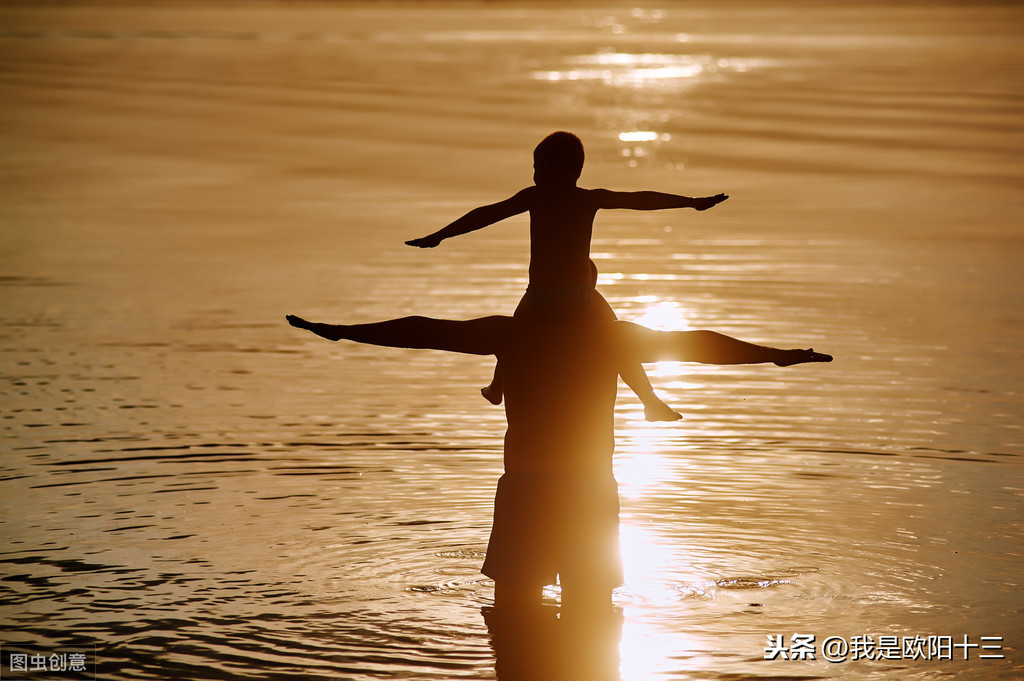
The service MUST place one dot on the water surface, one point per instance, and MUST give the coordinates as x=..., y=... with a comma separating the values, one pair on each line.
x=200, y=491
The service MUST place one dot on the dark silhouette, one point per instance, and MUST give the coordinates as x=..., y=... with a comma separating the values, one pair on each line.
x=556, y=507
x=562, y=276
x=541, y=643
x=556, y=510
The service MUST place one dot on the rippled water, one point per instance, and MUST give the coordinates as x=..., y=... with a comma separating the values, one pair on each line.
x=192, y=489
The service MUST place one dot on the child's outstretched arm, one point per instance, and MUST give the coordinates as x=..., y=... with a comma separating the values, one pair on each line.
x=648, y=200
x=478, y=218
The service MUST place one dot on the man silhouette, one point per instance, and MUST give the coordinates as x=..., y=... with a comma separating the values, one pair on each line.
x=556, y=507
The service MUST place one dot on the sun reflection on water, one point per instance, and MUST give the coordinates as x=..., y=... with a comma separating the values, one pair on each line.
x=663, y=315
x=646, y=650
x=652, y=564
x=642, y=136
x=624, y=69
x=648, y=647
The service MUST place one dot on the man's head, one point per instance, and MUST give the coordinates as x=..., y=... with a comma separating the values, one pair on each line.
x=558, y=159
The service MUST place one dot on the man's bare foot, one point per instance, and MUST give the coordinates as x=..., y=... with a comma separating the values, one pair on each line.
x=792, y=357
x=328, y=331
x=492, y=394
x=656, y=410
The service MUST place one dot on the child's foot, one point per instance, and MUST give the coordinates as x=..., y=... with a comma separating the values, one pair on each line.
x=328, y=331
x=492, y=394
x=656, y=410
x=791, y=357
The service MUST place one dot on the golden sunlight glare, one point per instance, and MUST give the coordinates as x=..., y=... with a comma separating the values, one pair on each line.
x=664, y=315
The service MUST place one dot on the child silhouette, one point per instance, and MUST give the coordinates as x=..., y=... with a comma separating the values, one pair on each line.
x=562, y=276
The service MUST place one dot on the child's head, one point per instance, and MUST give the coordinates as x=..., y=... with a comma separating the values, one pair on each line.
x=558, y=159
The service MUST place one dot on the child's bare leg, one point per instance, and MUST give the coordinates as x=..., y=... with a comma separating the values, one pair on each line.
x=493, y=392
x=633, y=374
x=654, y=408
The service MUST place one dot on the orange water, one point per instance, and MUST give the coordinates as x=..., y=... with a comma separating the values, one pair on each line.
x=201, y=491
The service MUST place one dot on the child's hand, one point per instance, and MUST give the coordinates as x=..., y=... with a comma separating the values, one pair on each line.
x=424, y=242
x=706, y=202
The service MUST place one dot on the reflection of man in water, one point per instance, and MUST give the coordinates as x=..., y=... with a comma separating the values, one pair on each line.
x=556, y=508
